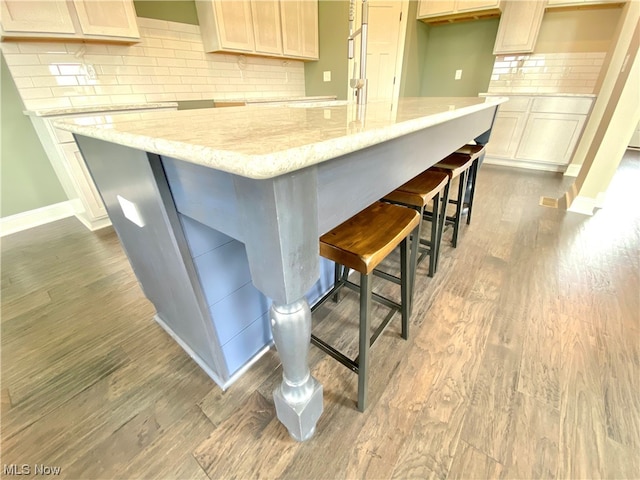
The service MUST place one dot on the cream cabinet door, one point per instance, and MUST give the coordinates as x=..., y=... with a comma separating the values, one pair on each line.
x=428, y=8
x=107, y=18
x=267, y=29
x=506, y=133
x=48, y=16
x=300, y=28
x=473, y=5
x=519, y=26
x=550, y=137
x=235, y=25
x=91, y=200
x=309, y=21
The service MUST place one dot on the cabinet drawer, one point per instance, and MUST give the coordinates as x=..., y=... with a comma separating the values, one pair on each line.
x=516, y=104
x=578, y=105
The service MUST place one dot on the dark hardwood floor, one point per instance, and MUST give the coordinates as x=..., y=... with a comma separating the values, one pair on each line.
x=523, y=360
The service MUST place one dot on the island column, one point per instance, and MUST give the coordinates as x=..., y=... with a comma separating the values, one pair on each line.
x=279, y=219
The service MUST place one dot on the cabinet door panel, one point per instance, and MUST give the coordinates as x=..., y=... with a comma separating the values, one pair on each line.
x=519, y=26
x=550, y=138
x=266, y=26
x=235, y=25
x=435, y=7
x=113, y=18
x=309, y=20
x=91, y=200
x=291, y=27
x=48, y=16
x=506, y=133
x=472, y=5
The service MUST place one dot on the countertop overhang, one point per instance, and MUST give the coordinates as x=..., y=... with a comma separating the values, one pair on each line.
x=265, y=142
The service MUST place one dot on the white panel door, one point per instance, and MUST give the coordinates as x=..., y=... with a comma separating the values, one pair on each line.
x=382, y=47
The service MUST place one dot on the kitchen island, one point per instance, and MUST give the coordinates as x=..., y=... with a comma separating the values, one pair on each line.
x=272, y=179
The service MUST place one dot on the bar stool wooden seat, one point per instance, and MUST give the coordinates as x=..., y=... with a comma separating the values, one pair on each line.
x=361, y=243
x=462, y=164
x=417, y=193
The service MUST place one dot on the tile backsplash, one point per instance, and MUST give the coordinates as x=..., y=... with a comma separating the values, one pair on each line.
x=546, y=73
x=168, y=64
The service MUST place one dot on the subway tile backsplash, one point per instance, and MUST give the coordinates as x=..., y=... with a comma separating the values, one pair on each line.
x=168, y=64
x=547, y=73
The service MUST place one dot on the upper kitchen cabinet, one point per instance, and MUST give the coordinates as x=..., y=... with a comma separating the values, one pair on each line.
x=226, y=26
x=109, y=20
x=260, y=27
x=519, y=26
x=441, y=11
x=267, y=27
x=300, y=28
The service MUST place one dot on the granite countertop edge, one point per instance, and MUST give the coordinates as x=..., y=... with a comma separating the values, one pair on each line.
x=97, y=109
x=271, y=165
x=535, y=94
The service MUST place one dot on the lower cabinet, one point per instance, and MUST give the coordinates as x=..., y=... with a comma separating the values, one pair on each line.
x=538, y=132
x=550, y=137
x=70, y=168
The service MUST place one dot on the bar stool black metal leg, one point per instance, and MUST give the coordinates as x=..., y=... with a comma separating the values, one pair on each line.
x=406, y=285
x=435, y=227
x=473, y=175
x=459, y=206
x=337, y=273
x=443, y=219
x=364, y=343
x=415, y=251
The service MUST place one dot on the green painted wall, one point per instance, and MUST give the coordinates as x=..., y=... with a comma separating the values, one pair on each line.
x=414, y=54
x=467, y=46
x=333, y=30
x=27, y=179
x=182, y=11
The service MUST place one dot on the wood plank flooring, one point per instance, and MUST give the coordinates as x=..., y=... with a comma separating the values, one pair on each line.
x=523, y=360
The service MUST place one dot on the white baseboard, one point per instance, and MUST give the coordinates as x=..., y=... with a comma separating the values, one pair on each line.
x=572, y=170
x=508, y=162
x=35, y=218
x=583, y=205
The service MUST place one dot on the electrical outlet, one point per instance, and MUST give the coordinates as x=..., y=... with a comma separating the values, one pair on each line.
x=458, y=75
x=91, y=72
x=326, y=76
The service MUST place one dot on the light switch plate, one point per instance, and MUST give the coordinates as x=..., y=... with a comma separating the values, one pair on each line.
x=458, y=75
x=326, y=76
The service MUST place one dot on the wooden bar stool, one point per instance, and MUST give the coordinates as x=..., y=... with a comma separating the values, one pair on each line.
x=461, y=164
x=361, y=243
x=417, y=193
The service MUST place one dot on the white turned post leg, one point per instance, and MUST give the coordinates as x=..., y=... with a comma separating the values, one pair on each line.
x=298, y=399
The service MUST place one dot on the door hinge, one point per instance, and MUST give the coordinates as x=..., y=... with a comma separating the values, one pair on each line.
x=400, y=16
x=394, y=80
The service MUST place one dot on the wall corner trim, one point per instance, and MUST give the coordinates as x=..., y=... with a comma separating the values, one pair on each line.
x=34, y=218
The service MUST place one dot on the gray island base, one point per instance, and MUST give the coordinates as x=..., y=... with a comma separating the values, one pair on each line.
x=272, y=179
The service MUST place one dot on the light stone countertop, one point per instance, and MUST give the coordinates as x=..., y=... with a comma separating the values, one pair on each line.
x=535, y=94
x=278, y=99
x=97, y=109
x=265, y=142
